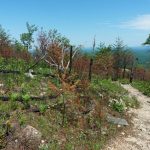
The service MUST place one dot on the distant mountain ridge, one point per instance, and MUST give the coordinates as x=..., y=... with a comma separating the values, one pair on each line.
x=136, y=48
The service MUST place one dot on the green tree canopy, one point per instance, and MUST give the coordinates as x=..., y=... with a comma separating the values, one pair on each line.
x=118, y=49
x=19, y=46
x=27, y=38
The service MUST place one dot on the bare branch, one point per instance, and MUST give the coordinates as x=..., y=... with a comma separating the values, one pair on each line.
x=50, y=63
x=72, y=57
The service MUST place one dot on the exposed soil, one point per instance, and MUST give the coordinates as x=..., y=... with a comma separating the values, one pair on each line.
x=139, y=137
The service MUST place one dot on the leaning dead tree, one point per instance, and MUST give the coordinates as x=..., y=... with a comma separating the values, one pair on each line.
x=57, y=49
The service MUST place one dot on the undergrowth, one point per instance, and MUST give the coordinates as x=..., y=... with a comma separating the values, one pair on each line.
x=73, y=120
x=143, y=86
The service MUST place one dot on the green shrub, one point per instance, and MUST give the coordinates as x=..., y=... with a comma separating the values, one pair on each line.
x=13, y=101
x=124, y=81
x=118, y=107
x=131, y=102
x=43, y=147
x=26, y=99
x=13, y=105
x=42, y=108
x=143, y=86
x=14, y=96
x=21, y=119
x=107, y=88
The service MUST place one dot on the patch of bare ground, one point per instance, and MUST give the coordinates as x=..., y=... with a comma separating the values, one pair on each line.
x=138, y=137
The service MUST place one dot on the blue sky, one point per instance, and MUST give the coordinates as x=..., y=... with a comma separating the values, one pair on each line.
x=80, y=20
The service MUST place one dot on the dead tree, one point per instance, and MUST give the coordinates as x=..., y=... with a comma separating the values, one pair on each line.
x=70, y=65
x=57, y=48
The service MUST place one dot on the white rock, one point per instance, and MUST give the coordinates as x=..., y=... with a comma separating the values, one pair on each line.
x=1, y=85
x=29, y=74
x=119, y=126
x=31, y=137
x=42, y=141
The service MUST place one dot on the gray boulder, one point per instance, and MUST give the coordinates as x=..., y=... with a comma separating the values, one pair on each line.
x=117, y=121
x=30, y=137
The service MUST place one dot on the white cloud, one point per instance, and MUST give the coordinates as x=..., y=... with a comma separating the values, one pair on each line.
x=141, y=22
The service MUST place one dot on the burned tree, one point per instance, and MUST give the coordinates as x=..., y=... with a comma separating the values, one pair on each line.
x=104, y=60
x=118, y=49
x=57, y=49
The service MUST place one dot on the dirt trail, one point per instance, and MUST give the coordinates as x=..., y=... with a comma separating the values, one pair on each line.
x=139, y=139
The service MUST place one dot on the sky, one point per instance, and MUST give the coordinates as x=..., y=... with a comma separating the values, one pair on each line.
x=81, y=20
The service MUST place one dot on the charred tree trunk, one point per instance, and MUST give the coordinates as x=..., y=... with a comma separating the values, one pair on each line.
x=15, y=72
x=64, y=111
x=143, y=77
x=124, y=71
x=37, y=98
x=90, y=69
x=131, y=75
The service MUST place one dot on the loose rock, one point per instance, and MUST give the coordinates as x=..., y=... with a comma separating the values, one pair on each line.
x=117, y=121
x=30, y=137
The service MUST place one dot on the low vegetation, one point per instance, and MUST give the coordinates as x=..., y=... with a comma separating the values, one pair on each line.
x=63, y=93
x=74, y=119
x=143, y=86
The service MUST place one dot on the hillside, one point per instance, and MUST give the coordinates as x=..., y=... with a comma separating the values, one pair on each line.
x=60, y=99
x=51, y=113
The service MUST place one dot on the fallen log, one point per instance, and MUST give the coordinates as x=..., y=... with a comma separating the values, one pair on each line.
x=19, y=72
x=4, y=98
x=38, y=98
x=35, y=110
x=10, y=71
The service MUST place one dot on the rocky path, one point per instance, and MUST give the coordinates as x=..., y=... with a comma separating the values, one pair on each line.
x=139, y=139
